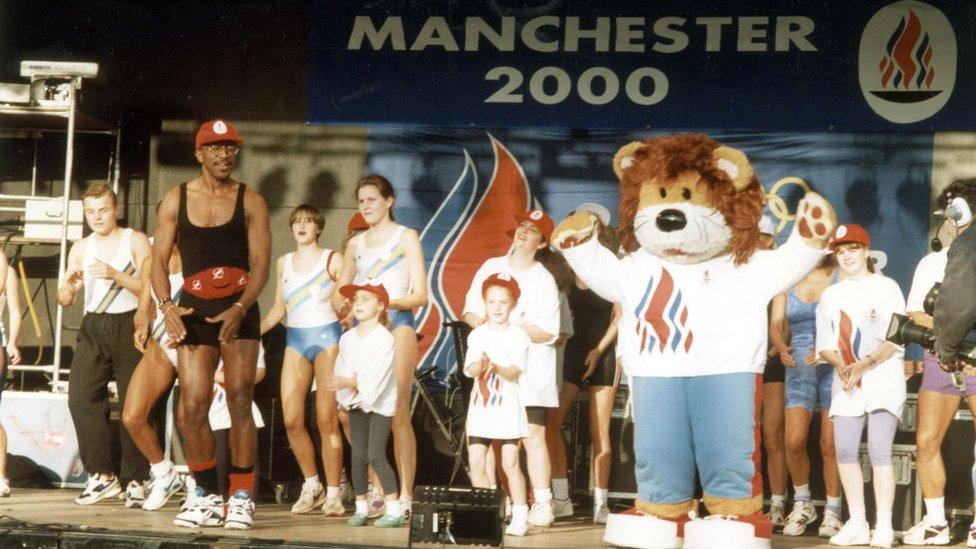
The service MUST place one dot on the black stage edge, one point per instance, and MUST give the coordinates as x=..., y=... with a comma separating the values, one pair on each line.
x=16, y=533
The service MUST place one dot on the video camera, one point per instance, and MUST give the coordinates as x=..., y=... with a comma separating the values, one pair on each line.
x=903, y=331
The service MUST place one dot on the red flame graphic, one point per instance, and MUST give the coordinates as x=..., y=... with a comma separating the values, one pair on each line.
x=908, y=56
x=484, y=237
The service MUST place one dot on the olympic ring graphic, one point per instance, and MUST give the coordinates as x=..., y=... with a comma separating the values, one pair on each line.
x=777, y=206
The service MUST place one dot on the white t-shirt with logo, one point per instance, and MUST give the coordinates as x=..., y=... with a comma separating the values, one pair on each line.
x=852, y=319
x=682, y=320
x=368, y=358
x=495, y=410
x=538, y=306
x=929, y=271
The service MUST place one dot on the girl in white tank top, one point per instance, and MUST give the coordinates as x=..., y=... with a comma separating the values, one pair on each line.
x=302, y=299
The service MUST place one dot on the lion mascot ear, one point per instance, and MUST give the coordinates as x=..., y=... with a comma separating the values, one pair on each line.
x=735, y=164
x=624, y=158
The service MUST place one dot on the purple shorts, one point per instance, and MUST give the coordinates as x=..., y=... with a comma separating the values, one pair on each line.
x=938, y=380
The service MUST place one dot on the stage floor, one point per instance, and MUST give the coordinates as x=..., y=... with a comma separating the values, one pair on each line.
x=275, y=525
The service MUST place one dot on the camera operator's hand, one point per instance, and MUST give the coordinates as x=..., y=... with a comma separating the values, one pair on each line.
x=950, y=365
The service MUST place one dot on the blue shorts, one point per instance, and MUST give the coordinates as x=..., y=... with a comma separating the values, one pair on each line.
x=309, y=342
x=806, y=386
x=399, y=317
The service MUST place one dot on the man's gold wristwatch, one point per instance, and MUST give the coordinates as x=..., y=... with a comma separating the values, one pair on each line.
x=164, y=303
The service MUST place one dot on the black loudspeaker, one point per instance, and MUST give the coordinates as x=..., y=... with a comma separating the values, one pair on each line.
x=457, y=516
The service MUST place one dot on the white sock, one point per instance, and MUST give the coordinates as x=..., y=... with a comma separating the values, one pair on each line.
x=884, y=520
x=857, y=515
x=520, y=513
x=801, y=493
x=542, y=495
x=331, y=491
x=362, y=507
x=777, y=500
x=157, y=470
x=835, y=504
x=600, y=495
x=560, y=488
x=935, y=511
x=313, y=482
x=393, y=508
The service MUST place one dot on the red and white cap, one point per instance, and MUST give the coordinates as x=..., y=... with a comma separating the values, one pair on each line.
x=357, y=223
x=504, y=280
x=215, y=131
x=349, y=292
x=538, y=218
x=845, y=234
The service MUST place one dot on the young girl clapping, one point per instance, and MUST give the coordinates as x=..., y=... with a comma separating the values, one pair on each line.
x=496, y=359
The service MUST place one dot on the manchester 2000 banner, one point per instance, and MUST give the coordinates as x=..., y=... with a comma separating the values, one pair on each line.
x=799, y=65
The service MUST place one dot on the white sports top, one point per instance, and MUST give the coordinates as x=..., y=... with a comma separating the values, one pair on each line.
x=385, y=264
x=307, y=296
x=103, y=295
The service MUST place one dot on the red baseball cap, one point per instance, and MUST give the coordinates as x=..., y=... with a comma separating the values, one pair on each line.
x=504, y=280
x=349, y=291
x=357, y=223
x=845, y=234
x=215, y=131
x=539, y=218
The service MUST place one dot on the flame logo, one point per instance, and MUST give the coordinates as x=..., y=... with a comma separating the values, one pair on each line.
x=908, y=52
x=906, y=71
x=468, y=227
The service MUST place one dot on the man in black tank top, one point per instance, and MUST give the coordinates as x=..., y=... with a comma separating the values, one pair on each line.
x=224, y=238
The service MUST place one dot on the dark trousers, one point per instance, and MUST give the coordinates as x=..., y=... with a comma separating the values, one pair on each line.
x=369, y=433
x=103, y=350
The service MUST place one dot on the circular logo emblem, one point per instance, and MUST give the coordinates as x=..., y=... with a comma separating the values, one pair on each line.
x=535, y=215
x=219, y=127
x=841, y=232
x=907, y=61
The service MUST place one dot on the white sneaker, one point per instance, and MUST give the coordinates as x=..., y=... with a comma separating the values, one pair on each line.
x=924, y=533
x=562, y=507
x=852, y=534
x=802, y=515
x=600, y=513
x=883, y=537
x=310, y=499
x=541, y=514
x=4, y=488
x=96, y=490
x=517, y=527
x=333, y=507
x=830, y=525
x=201, y=510
x=135, y=495
x=777, y=515
x=240, y=511
x=971, y=539
x=163, y=488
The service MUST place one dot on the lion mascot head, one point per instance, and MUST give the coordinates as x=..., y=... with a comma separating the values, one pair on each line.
x=687, y=199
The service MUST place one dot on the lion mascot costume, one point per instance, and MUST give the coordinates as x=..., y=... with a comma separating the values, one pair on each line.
x=694, y=291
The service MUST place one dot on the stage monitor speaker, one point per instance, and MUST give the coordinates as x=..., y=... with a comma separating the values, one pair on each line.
x=457, y=516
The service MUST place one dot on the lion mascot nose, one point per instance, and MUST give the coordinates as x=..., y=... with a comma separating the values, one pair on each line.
x=671, y=220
